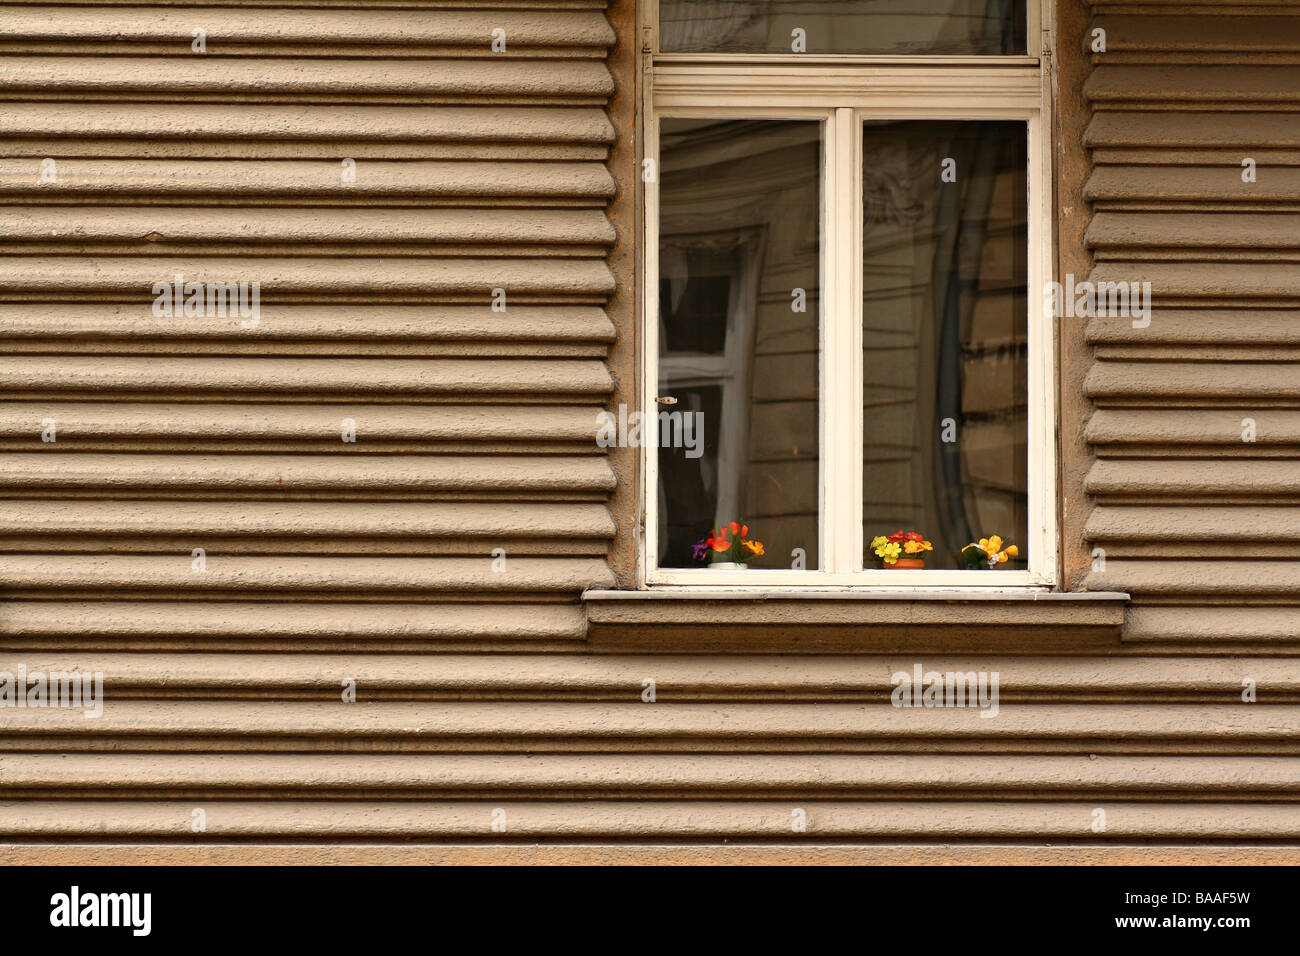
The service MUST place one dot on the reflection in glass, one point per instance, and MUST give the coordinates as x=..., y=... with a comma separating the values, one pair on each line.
x=934, y=27
x=945, y=334
x=739, y=266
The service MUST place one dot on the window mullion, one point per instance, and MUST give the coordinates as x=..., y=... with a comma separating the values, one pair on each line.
x=1041, y=413
x=853, y=346
x=841, y=340
x=649, y=452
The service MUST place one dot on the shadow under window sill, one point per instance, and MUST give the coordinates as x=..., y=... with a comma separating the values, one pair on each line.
x=869, y=620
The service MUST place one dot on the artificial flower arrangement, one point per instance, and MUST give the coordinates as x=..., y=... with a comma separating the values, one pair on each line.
x=987, y=553
x=729, y=544
x=902, y=549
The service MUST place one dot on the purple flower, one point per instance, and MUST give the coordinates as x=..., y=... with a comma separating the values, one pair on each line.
x=701, y=548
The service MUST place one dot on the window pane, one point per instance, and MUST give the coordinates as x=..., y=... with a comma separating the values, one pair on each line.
x=739, y=267
x=951, y=27
x=945, y=320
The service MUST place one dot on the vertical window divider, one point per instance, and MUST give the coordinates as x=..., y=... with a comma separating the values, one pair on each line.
x=854, y=350
x=841, y=337
x=1041, y=332
x=650, y=337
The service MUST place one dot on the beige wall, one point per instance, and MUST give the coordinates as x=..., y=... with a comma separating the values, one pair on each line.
x=371, y=561
x=1196, y=516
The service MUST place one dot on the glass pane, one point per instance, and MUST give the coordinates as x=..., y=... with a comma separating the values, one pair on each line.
x=739, y=267
x=949, y=27
x=944, y=323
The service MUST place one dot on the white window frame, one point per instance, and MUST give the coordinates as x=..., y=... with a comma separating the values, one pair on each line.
x=842, y=92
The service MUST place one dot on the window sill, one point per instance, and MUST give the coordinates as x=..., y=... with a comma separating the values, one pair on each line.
x=831, y=621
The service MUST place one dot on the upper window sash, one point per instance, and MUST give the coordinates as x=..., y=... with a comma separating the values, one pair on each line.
x=1038, y=16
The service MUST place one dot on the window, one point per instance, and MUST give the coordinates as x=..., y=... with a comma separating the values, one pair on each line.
x=847, y=205
x=953, y=27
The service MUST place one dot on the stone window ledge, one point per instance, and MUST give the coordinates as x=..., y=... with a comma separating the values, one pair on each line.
x=774, y=619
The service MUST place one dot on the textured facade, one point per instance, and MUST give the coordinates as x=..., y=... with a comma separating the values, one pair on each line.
x=382, y=479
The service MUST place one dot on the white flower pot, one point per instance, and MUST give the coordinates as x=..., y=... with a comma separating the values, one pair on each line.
x=728, y=566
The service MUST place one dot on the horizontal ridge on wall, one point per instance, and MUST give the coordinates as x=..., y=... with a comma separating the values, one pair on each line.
x=57, y=623
x=620, y=678
x=209, y=726
x=565, y=30
x=649, y=821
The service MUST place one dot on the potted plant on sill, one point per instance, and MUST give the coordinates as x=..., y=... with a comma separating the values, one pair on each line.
x=902, y=550
x=987, y=553
x=729, y=547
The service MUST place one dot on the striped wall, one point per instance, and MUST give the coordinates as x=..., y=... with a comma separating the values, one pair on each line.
x=380, y=173
x=426, y=217
x=488, y=714
x=1196, y=421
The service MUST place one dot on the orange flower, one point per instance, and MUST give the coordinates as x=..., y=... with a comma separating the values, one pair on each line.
x=755, y=547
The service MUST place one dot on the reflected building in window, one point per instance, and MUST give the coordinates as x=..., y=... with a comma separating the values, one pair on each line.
x=739, y=265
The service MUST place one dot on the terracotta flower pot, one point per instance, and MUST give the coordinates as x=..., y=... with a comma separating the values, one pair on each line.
x=913, y=564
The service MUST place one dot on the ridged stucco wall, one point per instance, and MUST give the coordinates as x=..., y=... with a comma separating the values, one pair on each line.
x=473, y=171
x=479, y=690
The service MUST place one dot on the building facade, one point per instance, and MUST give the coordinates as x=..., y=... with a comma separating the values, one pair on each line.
x=315, y=317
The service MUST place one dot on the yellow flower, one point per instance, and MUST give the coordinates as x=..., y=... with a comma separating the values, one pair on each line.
x=877, y=541
x=984, y=545
x=914, y=547
x=1012, y=550
x=755, y=547
x=995, y=545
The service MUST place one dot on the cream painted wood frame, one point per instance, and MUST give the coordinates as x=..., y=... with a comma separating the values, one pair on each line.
x=841, y=92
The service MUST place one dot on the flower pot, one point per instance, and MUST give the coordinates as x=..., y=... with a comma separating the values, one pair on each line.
x=913, y=564
x=728, y=566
